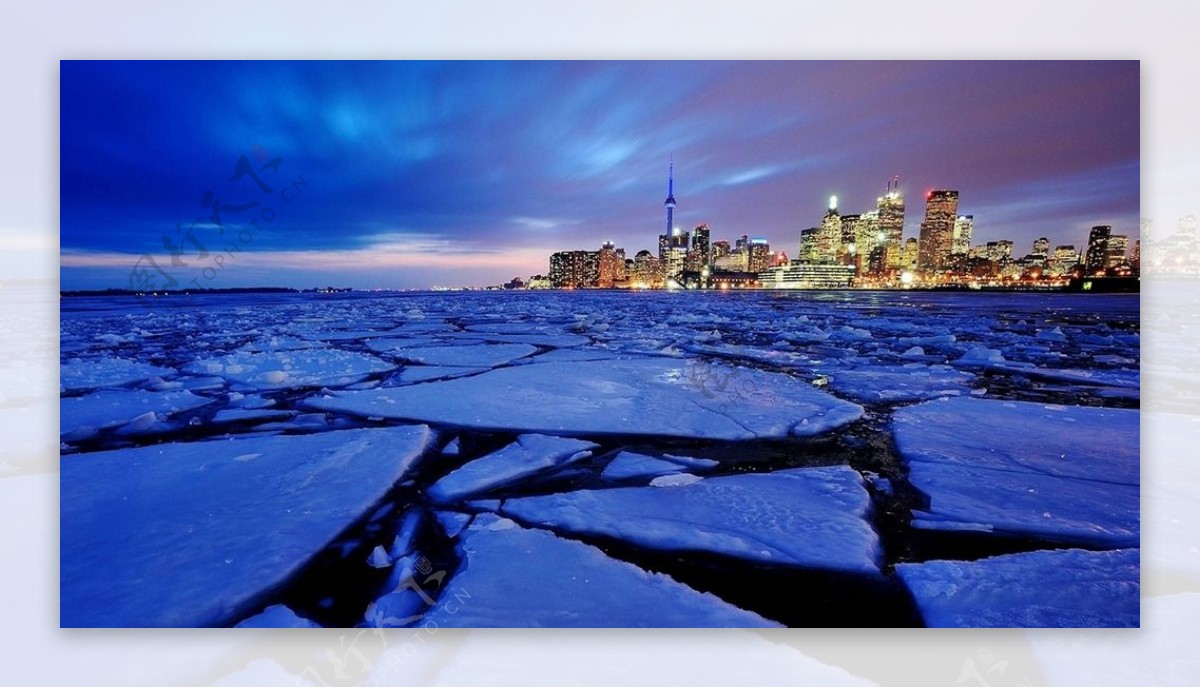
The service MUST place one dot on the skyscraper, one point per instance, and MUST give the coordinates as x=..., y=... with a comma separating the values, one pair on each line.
x=847, y=247
x=890, y=208
x=964, y=226
x=1118, y=245
x=759, y=257
x=829, y=239
x=1096, y=257
x=937, y=231
x=700, y=245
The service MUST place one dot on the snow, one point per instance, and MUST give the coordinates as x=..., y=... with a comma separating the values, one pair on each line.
x=629, y=397
x=246, y=415
x=529, y=455
x=82, y=417
x=277, y=616
x=812, y=517
x=628, y=465
x=675, y=480
x=517, y=577
x=1064, y=474
x=480, y=355
x=1044, y=589
x=79, y=374
x=423, y=373
x=186, y=535
x=290, y=369
x=894, y=384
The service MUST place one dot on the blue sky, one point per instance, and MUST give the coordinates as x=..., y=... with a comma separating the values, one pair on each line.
x=411, y=174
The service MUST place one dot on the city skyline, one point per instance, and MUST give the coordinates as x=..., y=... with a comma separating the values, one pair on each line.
x=471, y=173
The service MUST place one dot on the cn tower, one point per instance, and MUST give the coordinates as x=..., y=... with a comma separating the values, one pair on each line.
x=670, y=202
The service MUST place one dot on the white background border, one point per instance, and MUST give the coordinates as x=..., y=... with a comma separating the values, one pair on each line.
x=34, y=36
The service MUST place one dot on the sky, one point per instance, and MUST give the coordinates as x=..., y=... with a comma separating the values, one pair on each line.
x=415, y=174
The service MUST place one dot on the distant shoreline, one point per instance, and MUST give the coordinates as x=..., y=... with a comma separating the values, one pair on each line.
x=1099, y=286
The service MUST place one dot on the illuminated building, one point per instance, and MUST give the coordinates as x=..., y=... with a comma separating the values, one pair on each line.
x=1041, y=247
x=647, y=271
x=719, y=249
x=700, y=246
x=829, y=238
x=575, y=269
x=758, y=255
x=1096, y=257
x=738, y=261
x=808, y=252
x=847, y=249
x=1118, y=245
x=908, y=257
x=797, y=275
x=611, y=268
x=1063, y=260
x=890, y=209
x=960, y=242
x=999, y=251
x=867, y=238
x=1135, y=256
x=937, y=231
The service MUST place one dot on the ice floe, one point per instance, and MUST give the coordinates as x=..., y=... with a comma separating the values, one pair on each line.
x=518, y=577
x=620, y=397
x=82, y=417
x=1063, y=473
x=1050, y=588
x=194, y=534
x=811, y=517
x=528, y=456
x=288, y=369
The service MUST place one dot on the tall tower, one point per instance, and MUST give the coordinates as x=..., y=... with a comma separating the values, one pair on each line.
x=670, y=202
x=937, y=231
x=890, y=208
x=1096, y=257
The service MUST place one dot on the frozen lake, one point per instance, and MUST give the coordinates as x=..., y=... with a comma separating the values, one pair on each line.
x=601, y=459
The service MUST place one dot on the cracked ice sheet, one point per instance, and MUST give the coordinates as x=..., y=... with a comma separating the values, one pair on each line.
x=652, y=396
x=520, y=578
x=1065, y=474
x=80, y=374
x=1070, y=588
x=288, y=369
x=193, y=534
x=528, y=456
x=893, y=384
x=811, y=517
x=486, y=355
x=83, y=417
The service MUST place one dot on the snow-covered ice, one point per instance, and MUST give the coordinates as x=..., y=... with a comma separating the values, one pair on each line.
x=812, y=517
x=82, y=417
x=1048, y=588
x=621, y=397
x=287, y=369
x=1065, y=474
x=628, y=465
x=470, y=355
x=79, y=374
x=529, y=455
x=518, y=577
x=194, y=534
x=277, y=616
